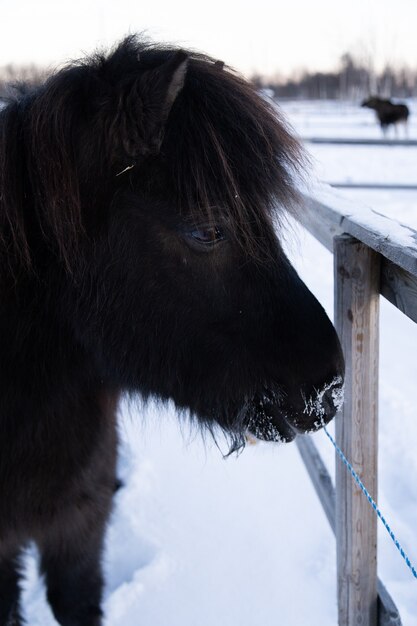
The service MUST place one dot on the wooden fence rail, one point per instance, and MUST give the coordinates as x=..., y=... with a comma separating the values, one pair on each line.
x=372, y=255
x=349, y=141
x=387, y=612
x=374, y=186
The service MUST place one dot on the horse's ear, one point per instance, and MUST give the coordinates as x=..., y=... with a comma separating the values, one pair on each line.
x=166, y=81
x=145, y=107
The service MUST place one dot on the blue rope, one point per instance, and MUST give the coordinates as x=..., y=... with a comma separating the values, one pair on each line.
x=371, y=502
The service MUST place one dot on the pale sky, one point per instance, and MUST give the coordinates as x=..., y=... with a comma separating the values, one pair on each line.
x=260, y=35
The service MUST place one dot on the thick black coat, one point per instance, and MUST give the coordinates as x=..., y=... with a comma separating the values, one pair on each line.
x=138, y=254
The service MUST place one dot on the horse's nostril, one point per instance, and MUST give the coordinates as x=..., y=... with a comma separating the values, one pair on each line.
x=329, y=406
x=327, y=401
x=320, y=406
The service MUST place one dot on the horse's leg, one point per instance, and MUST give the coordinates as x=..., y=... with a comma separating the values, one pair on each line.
x=72, y=569
x=9, y=589
x=71, y=549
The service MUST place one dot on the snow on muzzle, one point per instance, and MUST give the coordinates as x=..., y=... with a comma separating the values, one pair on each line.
x=276, y=417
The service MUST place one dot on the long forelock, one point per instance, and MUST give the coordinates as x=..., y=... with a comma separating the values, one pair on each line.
x=225, y=147
x=229, y=149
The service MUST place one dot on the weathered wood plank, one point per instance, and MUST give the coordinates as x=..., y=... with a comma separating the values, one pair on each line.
x=388, y=614
x=346, y=141
x=357, y=274
x=397, y=242
x=320, y=220
x=398, y=285
x=400, y=288
x=319, y=476
x=382, y=186
x=361, y=274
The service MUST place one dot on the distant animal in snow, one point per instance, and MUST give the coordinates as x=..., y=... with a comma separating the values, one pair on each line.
x=387, y=112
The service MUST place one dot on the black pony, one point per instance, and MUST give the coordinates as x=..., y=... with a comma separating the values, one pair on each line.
x=138, y=193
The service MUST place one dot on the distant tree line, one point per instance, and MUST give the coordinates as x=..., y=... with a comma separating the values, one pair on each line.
x=352, y=81
x=11, y=75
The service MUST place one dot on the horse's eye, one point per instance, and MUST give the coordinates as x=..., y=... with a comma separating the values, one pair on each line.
x=206, y=235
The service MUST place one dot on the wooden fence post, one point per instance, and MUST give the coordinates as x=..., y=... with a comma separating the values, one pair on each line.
x=356, y=269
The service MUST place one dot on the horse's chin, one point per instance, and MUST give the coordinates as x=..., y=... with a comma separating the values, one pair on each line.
x=268, y=423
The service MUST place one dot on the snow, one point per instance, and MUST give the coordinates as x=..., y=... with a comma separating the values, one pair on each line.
x=387, y=228
x=337, y=119
x=196, y=539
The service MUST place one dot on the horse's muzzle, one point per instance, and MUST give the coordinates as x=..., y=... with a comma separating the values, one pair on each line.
x=278, y=417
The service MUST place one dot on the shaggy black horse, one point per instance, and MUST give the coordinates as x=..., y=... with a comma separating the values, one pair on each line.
x=139, y=193
x=387, y=112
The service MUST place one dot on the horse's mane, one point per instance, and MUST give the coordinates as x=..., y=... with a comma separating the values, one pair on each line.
x=224, y=146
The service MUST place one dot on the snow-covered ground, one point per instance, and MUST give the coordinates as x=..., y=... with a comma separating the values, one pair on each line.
x=199, y=540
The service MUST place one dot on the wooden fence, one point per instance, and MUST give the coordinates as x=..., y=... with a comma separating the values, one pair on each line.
x=349, y=141
x=373, y=255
